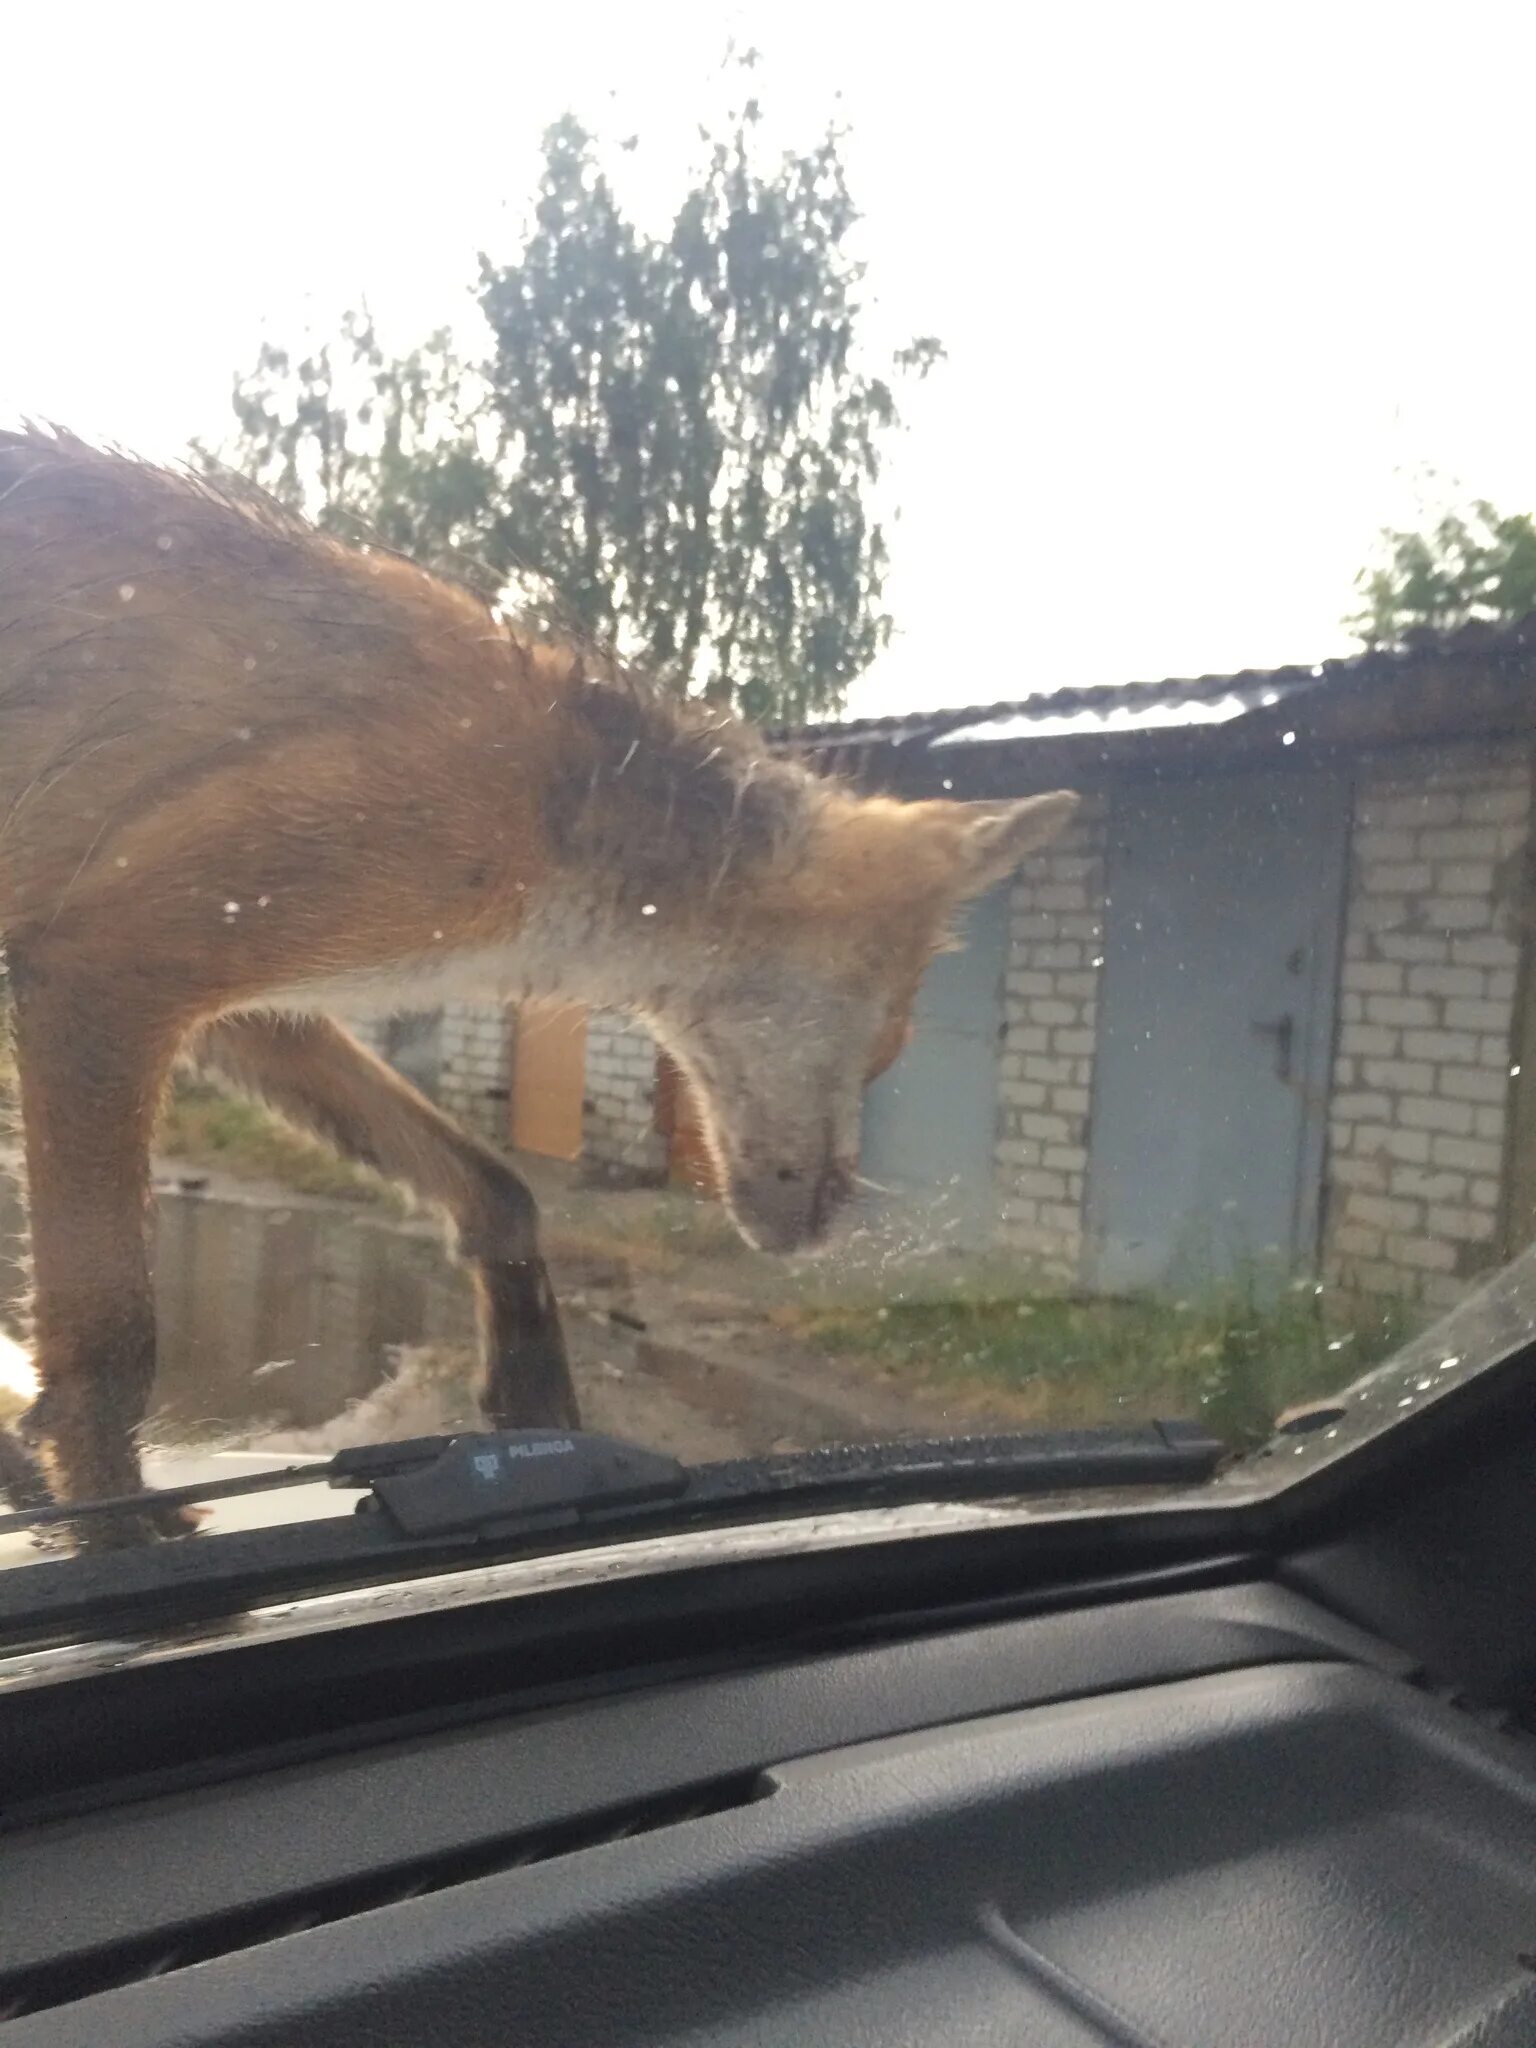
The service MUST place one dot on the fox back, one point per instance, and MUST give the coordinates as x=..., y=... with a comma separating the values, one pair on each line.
x=243, y=763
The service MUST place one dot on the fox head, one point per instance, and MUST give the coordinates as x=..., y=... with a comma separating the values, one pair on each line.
x=803, y=993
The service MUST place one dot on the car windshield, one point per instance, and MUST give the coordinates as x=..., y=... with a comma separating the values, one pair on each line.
x=755, y=733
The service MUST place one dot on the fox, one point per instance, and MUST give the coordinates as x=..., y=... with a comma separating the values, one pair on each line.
x=252, y=773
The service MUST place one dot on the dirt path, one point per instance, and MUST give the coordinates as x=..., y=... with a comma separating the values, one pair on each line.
x=619, y=1395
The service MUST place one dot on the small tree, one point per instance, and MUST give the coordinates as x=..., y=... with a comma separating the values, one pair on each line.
x=362, y=441
x=1480, y=565
x=671, y=446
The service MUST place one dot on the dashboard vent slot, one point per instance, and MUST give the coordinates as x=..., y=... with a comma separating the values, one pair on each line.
x=23, y=1992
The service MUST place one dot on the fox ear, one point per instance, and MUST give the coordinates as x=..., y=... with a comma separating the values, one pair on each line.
x=997, y=836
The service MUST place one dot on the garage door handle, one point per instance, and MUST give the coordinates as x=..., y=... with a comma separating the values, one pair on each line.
x=1283, y=1031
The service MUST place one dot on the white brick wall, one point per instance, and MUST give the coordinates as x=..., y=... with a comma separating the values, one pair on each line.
x=1421, y=1085
x=476, y=1074
x=1045, y=1067
x=620, y=1140
x=369, y=1031
x=619, y=1137
x=1417, y=1123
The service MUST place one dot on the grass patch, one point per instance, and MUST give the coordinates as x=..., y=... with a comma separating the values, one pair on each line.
x=1225, y=1360
x=661, y=1231
x=205, y=1127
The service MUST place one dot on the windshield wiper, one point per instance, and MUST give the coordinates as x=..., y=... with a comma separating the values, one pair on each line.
x=434, y=1484
x=490, y=1482
x=427, y=1498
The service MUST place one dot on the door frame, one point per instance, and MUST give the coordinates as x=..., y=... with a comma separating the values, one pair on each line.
x=1518, y=1218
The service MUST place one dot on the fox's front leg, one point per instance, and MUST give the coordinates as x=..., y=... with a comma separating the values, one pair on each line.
x=314, y=1073
x=91, y=1059
x=526, y=1380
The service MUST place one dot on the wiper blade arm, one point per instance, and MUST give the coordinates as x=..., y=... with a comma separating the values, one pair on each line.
x=165, y=1497
x=489, y=1481
x=433, y=1484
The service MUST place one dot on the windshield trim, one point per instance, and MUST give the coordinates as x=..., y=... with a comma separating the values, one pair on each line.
x=1462, y=1359
x=648, y=1557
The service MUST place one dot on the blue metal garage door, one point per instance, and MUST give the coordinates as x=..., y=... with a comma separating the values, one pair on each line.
x=930, y=1122
x=1215, y=1038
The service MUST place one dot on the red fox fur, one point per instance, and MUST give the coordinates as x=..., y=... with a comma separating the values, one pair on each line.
x=247, y=772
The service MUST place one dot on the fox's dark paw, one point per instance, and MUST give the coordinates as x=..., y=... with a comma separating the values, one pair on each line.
x=172, y=1523
x=21, y=1477
x=95, y=1535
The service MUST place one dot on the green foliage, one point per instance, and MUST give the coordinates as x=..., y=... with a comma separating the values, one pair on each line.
x=671, y=447
x=203, y=1126
x=362, y=442
x=1225, y=1359
x=1473, y=566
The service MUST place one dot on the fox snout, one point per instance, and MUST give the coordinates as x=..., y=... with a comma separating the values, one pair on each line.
x=788, y=1208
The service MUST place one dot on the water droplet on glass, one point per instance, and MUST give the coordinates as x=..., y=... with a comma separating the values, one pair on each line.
x=126, y=592
x=231, y=908
x=647, y=910
x=437, y=935
x=242, y=732
x=164, y=543
x=262, y=902
x=122, y=860
x=1446, y=1364
x=1287, y=739
x=249, y=663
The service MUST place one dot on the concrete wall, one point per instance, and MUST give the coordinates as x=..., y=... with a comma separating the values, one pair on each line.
x=1420, y=1108
x=476, y=1073
x=620, y=1141
x=1050, y=997
x=369, y=1031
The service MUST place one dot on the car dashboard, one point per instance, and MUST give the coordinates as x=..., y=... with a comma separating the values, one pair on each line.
x=1200, y=1780
x=1213, y=1817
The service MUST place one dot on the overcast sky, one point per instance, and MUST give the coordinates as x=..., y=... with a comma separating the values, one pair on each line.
x=1219, y=284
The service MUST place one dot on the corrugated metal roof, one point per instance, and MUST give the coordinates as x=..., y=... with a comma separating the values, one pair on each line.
x=1193, y=700
x=1095, y=702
